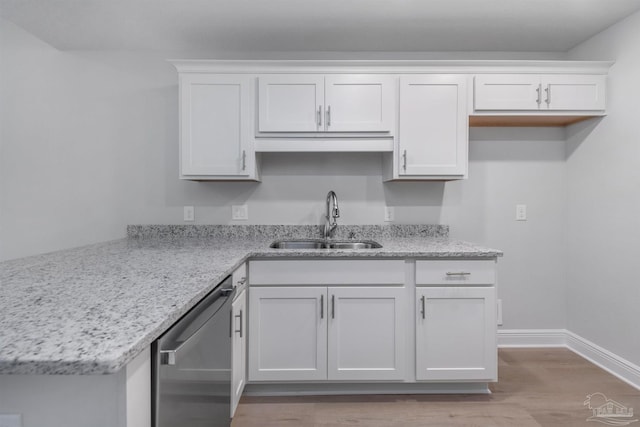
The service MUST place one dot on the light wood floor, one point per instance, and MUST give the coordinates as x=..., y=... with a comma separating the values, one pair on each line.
x=536, y=387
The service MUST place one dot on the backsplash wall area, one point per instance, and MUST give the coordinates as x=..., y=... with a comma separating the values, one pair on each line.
x=89, y=145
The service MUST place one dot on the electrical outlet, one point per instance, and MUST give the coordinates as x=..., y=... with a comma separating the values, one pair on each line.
x=389, y=213
x=189, y=213
x=240, y=212
x=499, y=312
x=521, y=212
x=10, y=420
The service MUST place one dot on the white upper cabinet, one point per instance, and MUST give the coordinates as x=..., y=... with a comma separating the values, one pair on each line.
x=533, y=92
x=215, y=127
x=359, y=103
x=331, y=103
x=291, y=102
x=433, y=127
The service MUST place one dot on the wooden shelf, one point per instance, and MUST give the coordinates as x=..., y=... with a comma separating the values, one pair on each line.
x=525, y=121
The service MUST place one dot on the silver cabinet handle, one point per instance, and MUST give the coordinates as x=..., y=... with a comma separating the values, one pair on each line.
x=322, y=306
x=539, y=98
x=548, y=92
x=458, y=273
x=239, y=330
x=333, y=306
x=244, y=159
x=423, y=309
x=319, y=116
x=328, y=115
x=404, y=160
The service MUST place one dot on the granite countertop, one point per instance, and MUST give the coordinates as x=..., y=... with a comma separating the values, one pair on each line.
x=91, y=310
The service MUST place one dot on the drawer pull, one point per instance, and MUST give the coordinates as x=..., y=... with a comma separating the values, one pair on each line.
x=458, y=273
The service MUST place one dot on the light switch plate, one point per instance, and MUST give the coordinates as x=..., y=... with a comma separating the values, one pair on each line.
x=10, y=420
x=240, y=212
x=389, y=213
x=189, y=215
x=521, y=212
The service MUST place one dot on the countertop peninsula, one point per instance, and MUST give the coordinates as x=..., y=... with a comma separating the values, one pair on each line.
x=92, y=309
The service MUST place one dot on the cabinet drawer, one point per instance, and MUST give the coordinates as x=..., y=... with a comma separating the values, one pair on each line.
x=456, y=272
x=326, y=272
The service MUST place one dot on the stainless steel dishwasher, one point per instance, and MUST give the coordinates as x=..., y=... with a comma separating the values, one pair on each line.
x=192, y=365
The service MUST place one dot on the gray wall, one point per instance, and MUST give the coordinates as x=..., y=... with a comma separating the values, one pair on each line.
x=603, y=183
x=89, y=144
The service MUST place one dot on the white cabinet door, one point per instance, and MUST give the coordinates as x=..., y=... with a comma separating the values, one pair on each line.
x=291, y=103
x=359, y=103
x=433, y=131
x=238, y=349
x=366, y=333
x=574, y=92
x=332, y=103
x=287, y=333
x=215, y=113
x=456, y=334
x=534, y=92
x=507, y=92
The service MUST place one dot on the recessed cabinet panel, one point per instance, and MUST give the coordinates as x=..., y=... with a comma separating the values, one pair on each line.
x=357, y=103
x=433, y=131
x=456, y=334
x=574, y=92
x=366, y=333
x=215, y=112
x=290, y=103
x=507, y=92
x=288, y=334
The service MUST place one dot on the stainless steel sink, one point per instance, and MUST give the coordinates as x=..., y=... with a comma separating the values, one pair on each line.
x=321, y=244
x=298, y=244
x=354, y=245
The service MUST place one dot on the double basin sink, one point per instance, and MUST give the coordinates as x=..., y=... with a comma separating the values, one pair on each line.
x=325, y=244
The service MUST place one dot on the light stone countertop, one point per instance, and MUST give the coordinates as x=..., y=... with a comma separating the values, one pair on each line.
x=91, y=310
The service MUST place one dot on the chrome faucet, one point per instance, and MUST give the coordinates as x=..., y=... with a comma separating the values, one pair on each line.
x=329, y=227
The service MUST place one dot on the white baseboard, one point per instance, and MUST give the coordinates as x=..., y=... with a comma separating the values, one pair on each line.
x=603, y=358
x=523, y=338
x=610, y=362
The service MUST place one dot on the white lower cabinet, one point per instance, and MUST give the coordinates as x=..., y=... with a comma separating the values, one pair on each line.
x=456, y=334
x=300, y=333
x=366, y=333
x=238, y=349
x=287, y=330
x=351, y=321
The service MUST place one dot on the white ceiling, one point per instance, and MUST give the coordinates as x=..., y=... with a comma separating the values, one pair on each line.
x=317, y=25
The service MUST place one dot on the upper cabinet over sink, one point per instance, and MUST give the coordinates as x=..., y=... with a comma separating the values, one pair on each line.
x=331, y=103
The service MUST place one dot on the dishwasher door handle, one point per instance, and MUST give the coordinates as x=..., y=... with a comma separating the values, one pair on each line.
x=169, y=356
